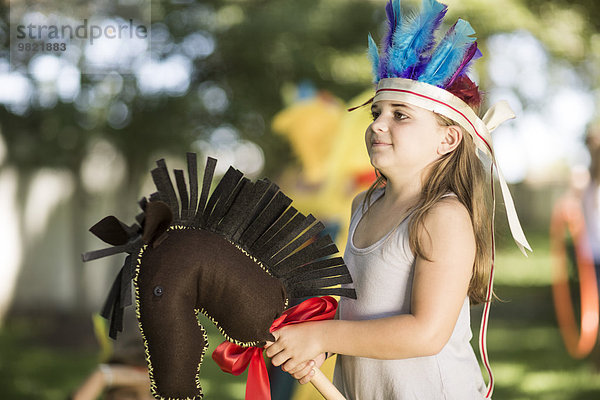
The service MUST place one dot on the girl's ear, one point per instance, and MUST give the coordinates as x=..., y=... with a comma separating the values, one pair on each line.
x=450, y=139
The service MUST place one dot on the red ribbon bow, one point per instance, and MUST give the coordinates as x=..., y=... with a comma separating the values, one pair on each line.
x=235, y=359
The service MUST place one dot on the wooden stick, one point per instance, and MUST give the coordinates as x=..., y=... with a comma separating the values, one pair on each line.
x=325, y=386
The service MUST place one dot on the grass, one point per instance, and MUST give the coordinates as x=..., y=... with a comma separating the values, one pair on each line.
x=33, y=370
x=526, y=351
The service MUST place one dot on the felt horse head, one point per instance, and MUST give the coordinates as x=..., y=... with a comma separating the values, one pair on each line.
x=237, y=257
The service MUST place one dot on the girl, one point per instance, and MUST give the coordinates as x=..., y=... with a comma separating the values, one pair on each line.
x=420, y=244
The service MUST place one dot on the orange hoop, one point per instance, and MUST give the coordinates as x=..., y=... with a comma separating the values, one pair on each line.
x=567, y=216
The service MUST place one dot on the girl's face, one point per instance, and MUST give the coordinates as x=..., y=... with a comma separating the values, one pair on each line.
x=403, y=137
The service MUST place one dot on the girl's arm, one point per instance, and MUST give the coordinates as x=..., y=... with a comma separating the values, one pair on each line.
x=439, y=289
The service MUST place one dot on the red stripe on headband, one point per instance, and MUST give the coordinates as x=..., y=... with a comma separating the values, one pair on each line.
x=442, y=103
x=488, y=299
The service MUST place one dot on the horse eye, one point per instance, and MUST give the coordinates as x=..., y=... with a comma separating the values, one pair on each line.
x=158, y=291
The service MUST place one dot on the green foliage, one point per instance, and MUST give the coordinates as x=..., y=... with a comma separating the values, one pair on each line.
x=260, y=47
x=32, y=370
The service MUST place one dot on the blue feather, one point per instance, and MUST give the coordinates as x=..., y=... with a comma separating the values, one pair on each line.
x=413, y=38
x=374, y=57
x=448, y=55
x=394, y=17
x=397, y=11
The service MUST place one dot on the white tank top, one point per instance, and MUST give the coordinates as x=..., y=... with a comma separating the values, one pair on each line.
x=383, y=275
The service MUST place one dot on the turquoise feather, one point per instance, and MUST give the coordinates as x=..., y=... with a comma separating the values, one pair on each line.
x=397, y=12
x=394, y=17
x=413, y=38
x=448, y=55
x=374, y=57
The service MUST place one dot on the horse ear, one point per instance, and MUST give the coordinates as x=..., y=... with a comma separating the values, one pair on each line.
x=111, y=231
x=158, y=217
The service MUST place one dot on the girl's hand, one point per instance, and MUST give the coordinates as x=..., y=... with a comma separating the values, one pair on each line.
x=295, y=345
x=305, y=372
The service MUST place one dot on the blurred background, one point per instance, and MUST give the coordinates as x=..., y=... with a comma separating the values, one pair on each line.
x=264, y=85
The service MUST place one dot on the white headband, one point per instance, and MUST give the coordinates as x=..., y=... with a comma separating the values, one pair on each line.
x=442, y=102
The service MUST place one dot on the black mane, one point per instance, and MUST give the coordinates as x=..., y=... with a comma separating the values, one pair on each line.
x=255, y=216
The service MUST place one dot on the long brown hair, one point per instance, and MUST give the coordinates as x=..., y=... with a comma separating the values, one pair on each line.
x=459, y=172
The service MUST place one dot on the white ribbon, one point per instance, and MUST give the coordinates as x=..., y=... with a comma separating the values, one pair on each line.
x=496, y=115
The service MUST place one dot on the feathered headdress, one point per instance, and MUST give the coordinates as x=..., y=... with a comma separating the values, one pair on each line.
x=411, y=67
x=409, y=51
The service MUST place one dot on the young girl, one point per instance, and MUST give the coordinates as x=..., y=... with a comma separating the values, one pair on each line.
x=420, y=245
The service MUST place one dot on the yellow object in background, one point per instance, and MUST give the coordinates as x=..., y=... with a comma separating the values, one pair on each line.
x=334, y=167
x=334, y=164
x=101, y=332
x=310, y=125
